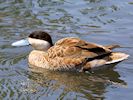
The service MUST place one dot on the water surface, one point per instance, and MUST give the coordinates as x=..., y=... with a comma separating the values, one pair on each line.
x=101, y=21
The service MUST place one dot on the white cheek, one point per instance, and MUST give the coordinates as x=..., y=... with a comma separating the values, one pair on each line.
x=39, y=44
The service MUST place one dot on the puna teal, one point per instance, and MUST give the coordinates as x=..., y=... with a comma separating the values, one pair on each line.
x=68, y=54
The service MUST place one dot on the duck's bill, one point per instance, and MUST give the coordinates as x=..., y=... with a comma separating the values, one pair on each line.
x=22, y=42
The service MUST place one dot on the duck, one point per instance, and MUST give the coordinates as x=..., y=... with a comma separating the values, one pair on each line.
x=68, y=54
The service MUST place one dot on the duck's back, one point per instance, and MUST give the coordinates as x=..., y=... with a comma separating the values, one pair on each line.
x=74, y=47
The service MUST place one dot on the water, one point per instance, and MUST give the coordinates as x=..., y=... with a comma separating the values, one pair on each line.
x=101, y=21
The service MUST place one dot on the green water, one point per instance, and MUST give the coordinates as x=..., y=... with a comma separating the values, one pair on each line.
x=100, y=21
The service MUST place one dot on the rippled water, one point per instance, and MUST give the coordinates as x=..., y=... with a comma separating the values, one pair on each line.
x=100, y=21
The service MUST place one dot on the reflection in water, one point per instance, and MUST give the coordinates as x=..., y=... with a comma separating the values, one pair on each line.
x=83, y=85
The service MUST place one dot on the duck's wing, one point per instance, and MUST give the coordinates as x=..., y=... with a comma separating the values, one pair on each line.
x=74, y=47
x=73, y=53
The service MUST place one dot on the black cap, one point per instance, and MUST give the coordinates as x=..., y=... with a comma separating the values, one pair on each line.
x=42, y=35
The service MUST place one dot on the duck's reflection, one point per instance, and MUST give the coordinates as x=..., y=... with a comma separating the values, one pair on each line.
x=74, y=85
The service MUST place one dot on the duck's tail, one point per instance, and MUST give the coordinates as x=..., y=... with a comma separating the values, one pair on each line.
x=106, y=62
x=113, y=46
x=117, y=57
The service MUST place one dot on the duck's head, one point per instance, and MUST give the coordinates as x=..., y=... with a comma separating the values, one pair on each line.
x=39, y=40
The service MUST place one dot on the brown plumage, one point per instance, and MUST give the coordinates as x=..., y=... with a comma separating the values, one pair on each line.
x=73, y=54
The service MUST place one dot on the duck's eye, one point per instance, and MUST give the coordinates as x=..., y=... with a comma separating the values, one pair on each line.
x=31, y=35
